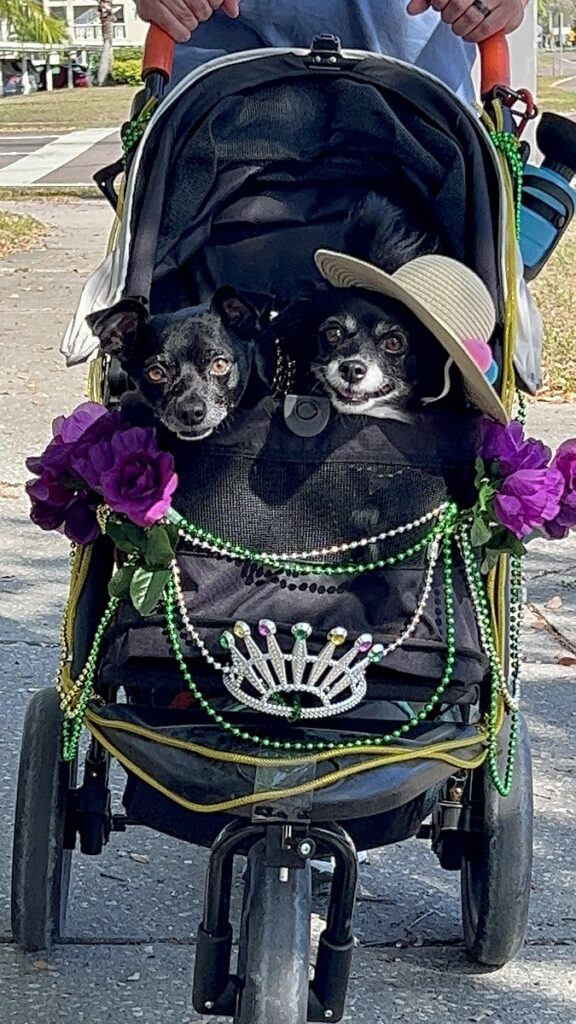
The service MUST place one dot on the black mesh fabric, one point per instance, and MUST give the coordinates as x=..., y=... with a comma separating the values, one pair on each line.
x=258, y=164
x=258, y=485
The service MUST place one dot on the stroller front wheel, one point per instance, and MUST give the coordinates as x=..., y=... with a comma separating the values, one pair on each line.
x=497, y=864
x=274, y=953
x=40, y=863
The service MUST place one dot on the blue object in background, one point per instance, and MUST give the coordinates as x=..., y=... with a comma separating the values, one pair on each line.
x=548, y=199
x=549, y=203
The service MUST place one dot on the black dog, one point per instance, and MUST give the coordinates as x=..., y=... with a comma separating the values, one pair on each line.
x=366, y=355
x=367, y=352
x=190, y=368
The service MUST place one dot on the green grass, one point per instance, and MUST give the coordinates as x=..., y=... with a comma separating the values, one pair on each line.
x=555, y=291
x=53, y=193
x=17, y=232
x=552, y=97
x=67, y=109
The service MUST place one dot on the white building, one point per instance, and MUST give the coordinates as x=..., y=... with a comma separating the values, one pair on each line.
x=83, y=21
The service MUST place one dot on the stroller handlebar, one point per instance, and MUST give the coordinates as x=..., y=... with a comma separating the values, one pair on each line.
x=494, y=63
x=494, y=58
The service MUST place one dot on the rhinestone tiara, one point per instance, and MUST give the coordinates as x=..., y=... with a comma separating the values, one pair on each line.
x=299, y=684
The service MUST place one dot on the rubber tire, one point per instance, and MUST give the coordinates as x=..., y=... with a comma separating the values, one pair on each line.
x=274, y=953
x=40, y=864
x=497, y=869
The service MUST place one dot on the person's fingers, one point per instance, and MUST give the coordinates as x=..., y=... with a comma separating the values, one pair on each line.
x=201, y=9
x=215, y=4
x=454, y=10
x=505, y=17
x=469, y=22
x=418, y=6
x=439, y=5
x=232, y=8
x=177, y=23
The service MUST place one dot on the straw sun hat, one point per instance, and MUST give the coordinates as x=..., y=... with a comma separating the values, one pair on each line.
x=449, y=299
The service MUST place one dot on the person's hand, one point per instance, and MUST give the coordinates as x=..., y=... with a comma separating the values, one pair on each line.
x=475, y=20
x=179, y=18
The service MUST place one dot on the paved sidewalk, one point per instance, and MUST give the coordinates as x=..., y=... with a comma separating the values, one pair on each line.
x=132, y=920
x=69, y=159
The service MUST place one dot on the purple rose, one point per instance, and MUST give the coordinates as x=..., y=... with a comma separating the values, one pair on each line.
x=55, y=507
x=49, y=499
x=92, y=455
x=529, y=498
x=141, y=481
x=80, y=522
x=510, y=449
x=66, y=431
x=565, y=462
x=70, y=428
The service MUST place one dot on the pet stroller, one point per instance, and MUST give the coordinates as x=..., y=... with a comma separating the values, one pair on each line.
x=295, y=550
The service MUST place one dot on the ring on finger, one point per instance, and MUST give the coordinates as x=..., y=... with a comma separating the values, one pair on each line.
x=482, y=8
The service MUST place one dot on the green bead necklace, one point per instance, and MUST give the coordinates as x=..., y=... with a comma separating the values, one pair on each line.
x=73, y=719
x=288, y=746
x=502, y=784
x=282, y=563
x=509, y=144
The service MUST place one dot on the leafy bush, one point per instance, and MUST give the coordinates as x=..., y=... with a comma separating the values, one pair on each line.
x=127, y=71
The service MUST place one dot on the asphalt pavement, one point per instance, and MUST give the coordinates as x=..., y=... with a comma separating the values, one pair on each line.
x=67, y=159
x=134, y=910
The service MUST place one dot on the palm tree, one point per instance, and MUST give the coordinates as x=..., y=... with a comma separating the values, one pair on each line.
x=27, y=22
x=107, y=19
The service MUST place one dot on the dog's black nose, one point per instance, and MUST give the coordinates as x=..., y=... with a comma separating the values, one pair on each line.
x=353, y=370
x=192, y=412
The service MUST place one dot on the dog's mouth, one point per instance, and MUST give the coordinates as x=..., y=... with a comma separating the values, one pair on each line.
x=185, y=434
x=349, y=396
x=355, y=396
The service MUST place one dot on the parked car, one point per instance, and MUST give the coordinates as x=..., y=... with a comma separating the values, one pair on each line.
x=13, y=77
x=80, y=76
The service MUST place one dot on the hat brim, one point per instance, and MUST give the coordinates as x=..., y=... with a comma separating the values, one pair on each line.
x=345, y=271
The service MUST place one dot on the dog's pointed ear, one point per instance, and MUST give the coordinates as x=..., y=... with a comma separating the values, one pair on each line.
x=236, y=313
x=118, y=327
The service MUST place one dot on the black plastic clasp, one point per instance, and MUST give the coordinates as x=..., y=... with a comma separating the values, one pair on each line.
x=326, y=54
x=105, y=180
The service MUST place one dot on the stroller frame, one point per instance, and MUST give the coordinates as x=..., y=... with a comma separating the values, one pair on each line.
x=474, y=828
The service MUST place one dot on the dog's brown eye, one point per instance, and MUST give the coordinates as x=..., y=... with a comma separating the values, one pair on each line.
x=395, y=344
x=220, y=366
x=333, y=334
x=156, y=374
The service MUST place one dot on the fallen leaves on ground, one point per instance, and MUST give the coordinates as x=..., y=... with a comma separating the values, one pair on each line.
x=18, y=232
x=555, y=293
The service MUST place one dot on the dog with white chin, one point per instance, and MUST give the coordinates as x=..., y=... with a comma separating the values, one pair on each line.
x=367, y=352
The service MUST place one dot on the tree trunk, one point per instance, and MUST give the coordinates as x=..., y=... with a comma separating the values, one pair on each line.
x=106, y=12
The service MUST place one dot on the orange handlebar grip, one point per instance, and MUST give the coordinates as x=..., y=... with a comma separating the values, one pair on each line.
x=494, y=63
x=158, y=53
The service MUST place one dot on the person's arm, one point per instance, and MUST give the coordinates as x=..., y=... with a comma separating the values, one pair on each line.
x=179, y=18
x=475, y=20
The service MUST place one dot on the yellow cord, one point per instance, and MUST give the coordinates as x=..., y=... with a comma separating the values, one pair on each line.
x=276, y=794
x=253, y=760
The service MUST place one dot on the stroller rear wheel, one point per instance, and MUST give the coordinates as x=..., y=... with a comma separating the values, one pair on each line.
x=274, y=952
x=497, y=865
x=40, y=863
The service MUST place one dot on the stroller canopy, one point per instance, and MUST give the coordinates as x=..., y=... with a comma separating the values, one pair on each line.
x=248, y=171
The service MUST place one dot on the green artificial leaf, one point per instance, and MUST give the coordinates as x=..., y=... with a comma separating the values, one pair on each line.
x=480, y=473
x=480, y=533
x=173, y=532
x=491, y=559
x=159, y=548
x=486, y=492
x=119, y=585
x=147, y=587
x=516, y=546
x=126, y=536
